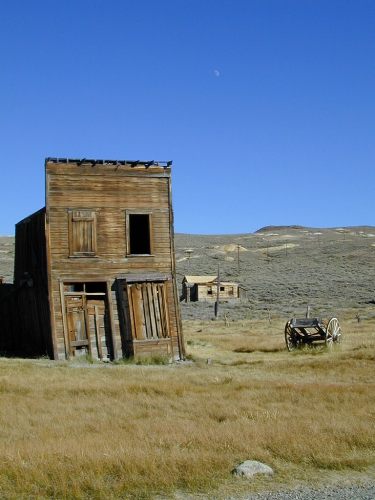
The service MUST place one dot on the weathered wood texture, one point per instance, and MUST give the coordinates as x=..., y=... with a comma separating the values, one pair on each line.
x=88, y=210
x=209, y=291
x=95, y=269
x=30, y=258
x=24, y=313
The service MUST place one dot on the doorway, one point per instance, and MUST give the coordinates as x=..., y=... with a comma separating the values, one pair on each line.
x=87, y=320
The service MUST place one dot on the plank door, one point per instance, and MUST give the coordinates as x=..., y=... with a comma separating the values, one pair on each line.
x=98, y=328
x=88, y=329
x=148, y=310
x=78, y=334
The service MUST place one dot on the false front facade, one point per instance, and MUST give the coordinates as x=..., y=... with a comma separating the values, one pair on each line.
x=99, y=258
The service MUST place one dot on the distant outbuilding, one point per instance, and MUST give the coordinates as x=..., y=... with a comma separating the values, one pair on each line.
x=204, y=288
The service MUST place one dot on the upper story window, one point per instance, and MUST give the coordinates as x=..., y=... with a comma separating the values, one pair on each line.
x=139, y=233
x=82, y=233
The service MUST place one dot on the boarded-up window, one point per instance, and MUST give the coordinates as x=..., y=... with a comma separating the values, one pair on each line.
x=139, y=233
x=82, y=233
x=148, y=310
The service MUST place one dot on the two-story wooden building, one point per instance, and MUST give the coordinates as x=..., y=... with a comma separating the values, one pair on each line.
x=95, y=268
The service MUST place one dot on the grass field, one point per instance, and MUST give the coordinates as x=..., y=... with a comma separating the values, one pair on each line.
x=76, y=430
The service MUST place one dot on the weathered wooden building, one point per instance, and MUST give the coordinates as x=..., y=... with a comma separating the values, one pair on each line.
x=204, y=288
x=95, y=268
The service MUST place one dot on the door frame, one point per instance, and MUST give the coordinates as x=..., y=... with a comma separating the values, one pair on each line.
x=108, y=304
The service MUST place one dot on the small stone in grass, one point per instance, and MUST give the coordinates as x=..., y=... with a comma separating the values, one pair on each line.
x=251, y=467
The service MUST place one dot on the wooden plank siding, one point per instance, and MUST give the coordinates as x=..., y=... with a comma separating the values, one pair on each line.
x=208, y=292
x=24, y=313
x=110, y=193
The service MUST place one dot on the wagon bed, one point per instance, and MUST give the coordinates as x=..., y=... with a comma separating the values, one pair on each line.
x=306, y=331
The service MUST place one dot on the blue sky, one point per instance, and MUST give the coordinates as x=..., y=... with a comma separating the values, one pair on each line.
x=266, y=107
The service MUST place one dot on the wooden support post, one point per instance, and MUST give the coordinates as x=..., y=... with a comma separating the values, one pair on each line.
x=87, y=325
x=97, y=332
x=111, y=318
x=308, y=311
x=65, y=323
x=188, y=251
x=217, y=293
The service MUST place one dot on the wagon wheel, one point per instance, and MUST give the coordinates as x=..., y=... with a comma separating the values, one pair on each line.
x=290, y=338
x=333, y=332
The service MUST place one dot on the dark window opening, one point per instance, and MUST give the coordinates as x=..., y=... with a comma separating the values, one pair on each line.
x=222, y=288
x=73, y=287
x=94, y=287
x=139, y=234
x=99, y=288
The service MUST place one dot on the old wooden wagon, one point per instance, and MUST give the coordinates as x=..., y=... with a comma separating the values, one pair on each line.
x=307, y=331
x=95, y=268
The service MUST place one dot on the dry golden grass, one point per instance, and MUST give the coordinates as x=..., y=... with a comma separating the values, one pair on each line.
x=110, y=431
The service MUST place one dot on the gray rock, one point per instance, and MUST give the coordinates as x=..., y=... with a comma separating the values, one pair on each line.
x=251, y=467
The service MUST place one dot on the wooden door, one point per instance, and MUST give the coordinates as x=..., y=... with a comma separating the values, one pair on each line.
x=98, y=328
x=88, y=329
x=148, y=310
x=78, y=334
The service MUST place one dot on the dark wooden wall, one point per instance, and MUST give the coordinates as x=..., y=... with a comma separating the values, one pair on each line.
x=24, y=312
x=24, y=324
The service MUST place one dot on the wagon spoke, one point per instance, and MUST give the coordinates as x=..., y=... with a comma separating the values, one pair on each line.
x=333, y=332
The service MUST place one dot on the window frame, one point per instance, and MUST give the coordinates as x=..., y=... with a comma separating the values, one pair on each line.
x=128, y=214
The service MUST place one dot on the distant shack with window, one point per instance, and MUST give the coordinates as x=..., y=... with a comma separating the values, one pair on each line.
x=204, y=288
x=95, y=268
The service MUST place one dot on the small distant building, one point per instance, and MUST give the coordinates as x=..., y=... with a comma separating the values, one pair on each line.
x=204, y=288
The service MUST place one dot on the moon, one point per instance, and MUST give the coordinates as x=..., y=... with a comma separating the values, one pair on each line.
x=217, y=73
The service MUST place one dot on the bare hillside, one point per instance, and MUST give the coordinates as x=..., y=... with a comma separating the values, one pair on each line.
x=285, y=268
x=282, y=268
x=6, y=257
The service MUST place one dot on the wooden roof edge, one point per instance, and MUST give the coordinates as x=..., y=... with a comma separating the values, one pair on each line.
x=206, y=280
x=142, y=277
x=190, y=278
x=131, y=163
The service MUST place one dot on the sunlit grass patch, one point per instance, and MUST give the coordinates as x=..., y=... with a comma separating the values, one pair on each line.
x=124, y=430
